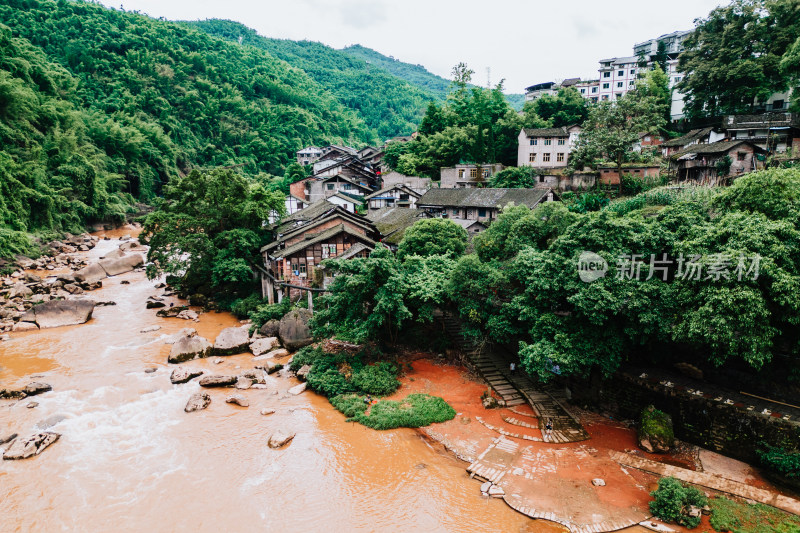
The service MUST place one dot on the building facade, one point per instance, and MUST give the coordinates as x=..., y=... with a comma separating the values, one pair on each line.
x=546, y=148
x=467, y=176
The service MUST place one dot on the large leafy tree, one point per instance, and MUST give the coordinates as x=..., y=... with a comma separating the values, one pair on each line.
x=565, y=108
x=206, y=232
x=433, y=236
x=613, y=127
x=733, y=57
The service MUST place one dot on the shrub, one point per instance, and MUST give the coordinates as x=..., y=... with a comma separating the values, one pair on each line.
x=349, y=404
x=379, y=379
x=780, y=460
x=416, y=410
x=329, y=382
x=263, y=313
x=672, y=502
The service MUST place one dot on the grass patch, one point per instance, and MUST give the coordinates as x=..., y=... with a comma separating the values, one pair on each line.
x=728, y=515
x=416, y=410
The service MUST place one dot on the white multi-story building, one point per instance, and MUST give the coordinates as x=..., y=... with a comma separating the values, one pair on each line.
x=617, y=76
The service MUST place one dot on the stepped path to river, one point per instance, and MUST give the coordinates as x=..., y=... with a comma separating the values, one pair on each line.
x=130, y=458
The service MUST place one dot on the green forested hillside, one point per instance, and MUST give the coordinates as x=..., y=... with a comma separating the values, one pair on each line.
x=416, y=74
x=100, y=107
x=389, y=104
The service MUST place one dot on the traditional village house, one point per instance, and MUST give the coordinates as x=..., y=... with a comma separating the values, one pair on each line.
x=774, y=132
x=346, y=201
x=415, y=183
x=546, y=148
x=392, y=223
x=308, y=155
x=696, y=136
x=472, y=227
x=705, y=164
x=329, y=186
x=468, y=176
x=292, y=203
x=306, y=238
x=394, y=196
x=480, y=204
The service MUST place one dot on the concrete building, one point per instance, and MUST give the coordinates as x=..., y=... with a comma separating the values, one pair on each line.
x=467, y=176
x=546, y=148
x=415, y=183
x=774, y=132
x=308, y=155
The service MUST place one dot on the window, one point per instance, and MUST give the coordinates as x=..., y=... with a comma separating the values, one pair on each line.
x=455, y=212
x=605, y=97
x=619, y=84
x=534, y=142
x=330, y=186
x=347, y=186
x=594, y=89
x=328, y=250
x=677, y=79
x=532, y=158
x=560, y=157
x=583, y=91
x=302, y=270
x=561, y=142
x=460, y=172
x=594, y=99
x=473, y=173
x=606, y=74
x=606, y=86
x=740, y=156
x=631, y=83
x=295, y=269
x=633, y=71
x=546, y=158
x=621, y=73
x=481, y=212
x=485, y=172
x=548, y=141
x=777, y=104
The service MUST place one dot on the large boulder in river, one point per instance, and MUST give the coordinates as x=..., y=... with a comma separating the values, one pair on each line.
x=218, y=381
x=655, y=431
x=294, y=331
x=56, y=313
x=262, y=346
x=270, y=328
x=34, y=388
x=20, y=290
x=30, y=446
x=197, y=401
x=231, y=341
x=91, y=273
x=115, y=267
x=187, y=348
x=184, y=375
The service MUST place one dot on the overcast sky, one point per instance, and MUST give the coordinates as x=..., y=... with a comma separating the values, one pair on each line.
x=523, y=41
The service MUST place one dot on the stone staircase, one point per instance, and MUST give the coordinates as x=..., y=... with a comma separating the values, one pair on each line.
x=494, y=365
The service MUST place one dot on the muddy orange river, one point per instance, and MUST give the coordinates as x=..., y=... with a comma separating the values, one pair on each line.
x=130, y=458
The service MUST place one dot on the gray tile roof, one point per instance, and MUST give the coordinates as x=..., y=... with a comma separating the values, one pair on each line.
x=546, y=132
x=716, y=148
x=771, y=120
x=387, y=189
x=322, y=236
x=299, y=230
x=491, y=198
x=692, y=136
x=392, y=222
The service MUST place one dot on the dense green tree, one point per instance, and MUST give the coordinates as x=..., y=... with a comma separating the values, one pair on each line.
x=733, y=57
x=612, y=128
x=565, y=108
x=207, y=230
x=513, y=178
x=433, y=236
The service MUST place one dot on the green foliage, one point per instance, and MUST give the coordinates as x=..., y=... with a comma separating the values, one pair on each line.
x=672, y=501
x=780, y=460
x=513, y=178
x=729, y=515
x=433, y=236
x=653, y=422
x=474, y=125
x=416, y=410
x=16, y=242
x=632, y=185
x=375, y=298
x=566, y=108
x=723, y=166
x=587, y=202
x=263, y=313
x=613, y=127
x=740, y=52
x=379, y=379
x=207, y=231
